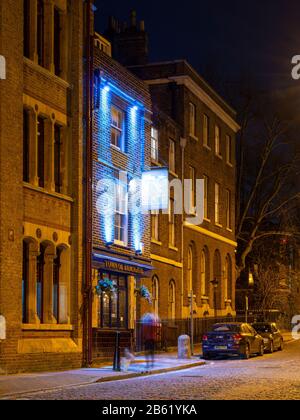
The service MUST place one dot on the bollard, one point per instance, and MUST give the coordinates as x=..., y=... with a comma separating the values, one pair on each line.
x=117, y=355
x=184, y=347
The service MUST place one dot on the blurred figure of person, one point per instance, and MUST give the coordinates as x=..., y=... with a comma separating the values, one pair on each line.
x=150, y=324
x=127, y=360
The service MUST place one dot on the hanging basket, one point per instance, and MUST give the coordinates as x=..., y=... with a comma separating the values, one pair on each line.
x=106, y=286
x=144, y=293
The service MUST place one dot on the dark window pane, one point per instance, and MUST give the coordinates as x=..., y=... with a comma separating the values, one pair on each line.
x=26, y=28
x=25, y=282
x=57, y=158
x=25, y=146
x=57, y=42
x=41, y=151
x=40, y=32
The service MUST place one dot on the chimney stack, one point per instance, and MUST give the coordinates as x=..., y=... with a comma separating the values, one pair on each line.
x=129, y=42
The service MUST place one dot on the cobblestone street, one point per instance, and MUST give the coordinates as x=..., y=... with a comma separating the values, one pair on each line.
x=275, y=376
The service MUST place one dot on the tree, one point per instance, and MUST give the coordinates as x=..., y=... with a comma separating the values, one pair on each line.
x=267, y=171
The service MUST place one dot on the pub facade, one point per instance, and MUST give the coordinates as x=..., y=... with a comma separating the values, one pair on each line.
x=121, y=236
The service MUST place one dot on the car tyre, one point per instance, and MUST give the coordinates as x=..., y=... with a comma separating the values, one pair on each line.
x=246, y=354
x=281, y=347
x=262, y=350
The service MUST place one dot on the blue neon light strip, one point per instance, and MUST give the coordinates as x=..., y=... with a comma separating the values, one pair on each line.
x=121, y=93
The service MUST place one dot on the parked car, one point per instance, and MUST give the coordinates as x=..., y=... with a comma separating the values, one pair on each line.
x=272, y=337
x=231, y=338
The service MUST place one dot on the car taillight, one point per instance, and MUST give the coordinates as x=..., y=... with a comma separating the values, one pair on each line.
x=205, y=338
x=237, y=337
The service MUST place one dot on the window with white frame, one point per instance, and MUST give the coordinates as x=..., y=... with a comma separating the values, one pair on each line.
x=206, y=184
x=117, y=128
x=121, y=211
x=155, y=225
x=154, y=144
x=192, y=116
x=192, y=177
x=228, y=209
x=172, y=156
x=217, y=140
x=171, y=223
x=205, y=130
x=228, y=149
x=217, y=203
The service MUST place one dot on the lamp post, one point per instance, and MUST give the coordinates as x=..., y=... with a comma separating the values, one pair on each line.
x=215, y=283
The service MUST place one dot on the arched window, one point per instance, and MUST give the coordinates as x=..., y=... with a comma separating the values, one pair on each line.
x=25, y=283
x=190, y=270
x=228, y=278
x=203, y=273
x=155, y=295
x=171, y=300
x=40, y=283
x=218, y=278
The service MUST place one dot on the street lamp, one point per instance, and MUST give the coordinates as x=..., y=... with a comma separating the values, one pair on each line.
x=215, y=283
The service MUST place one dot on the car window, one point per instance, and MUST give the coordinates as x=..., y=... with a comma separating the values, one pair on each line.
x=246, y=329
x=226, y=328
x=262, y=328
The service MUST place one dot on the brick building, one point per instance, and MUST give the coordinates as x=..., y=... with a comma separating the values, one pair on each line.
x=121, y=240
x=194, y=135
x=41, y=184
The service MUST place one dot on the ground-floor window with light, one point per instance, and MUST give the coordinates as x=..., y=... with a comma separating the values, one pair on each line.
x=113, y=306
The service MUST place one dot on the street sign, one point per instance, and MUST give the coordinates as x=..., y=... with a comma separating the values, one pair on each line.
x=2, y=68
x=2, y=328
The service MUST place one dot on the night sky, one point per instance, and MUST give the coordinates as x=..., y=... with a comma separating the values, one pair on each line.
x=225, y=40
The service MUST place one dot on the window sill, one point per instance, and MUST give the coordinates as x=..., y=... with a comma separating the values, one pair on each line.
x=219, y=156
x=173, y=248
x=206, y=220
x=193, y=137
x=120, y=244
x=156, y=242
x=219, y=225
x=47, y=327
x=207, y=147
x=46, y=72
x=51, y=193
x=155, y=162
x=229, y=230
x=229, y=164
x=173, y=174
x=118, y=149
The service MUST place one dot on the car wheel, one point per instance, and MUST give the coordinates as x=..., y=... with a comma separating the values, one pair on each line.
x=206, y=356
x=246, y=354
x=281, y=347
x=271, y=347
x=262, y=350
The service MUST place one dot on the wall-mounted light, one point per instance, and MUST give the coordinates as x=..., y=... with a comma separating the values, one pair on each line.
x=109, y=244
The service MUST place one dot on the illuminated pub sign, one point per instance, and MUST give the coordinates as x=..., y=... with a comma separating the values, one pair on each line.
x=155, y=189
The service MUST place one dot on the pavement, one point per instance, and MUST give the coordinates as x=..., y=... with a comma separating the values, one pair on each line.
x=22, y=384
x=18, y=386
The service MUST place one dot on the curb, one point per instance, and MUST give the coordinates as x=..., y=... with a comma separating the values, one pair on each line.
x=153, y=372
x=103, y=380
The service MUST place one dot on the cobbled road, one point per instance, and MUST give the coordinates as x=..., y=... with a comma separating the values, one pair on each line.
x=274, y=376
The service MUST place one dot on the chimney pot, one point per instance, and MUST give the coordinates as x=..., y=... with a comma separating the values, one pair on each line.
x=133, y=18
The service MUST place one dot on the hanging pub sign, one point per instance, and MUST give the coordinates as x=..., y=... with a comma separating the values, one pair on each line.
x=155, y=189
x=2, y=68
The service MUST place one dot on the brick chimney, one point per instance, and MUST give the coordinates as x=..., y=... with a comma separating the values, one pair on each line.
x=129, y=40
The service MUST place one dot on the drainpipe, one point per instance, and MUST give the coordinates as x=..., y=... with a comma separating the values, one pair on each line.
x=87, y=322
x=182, y=144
